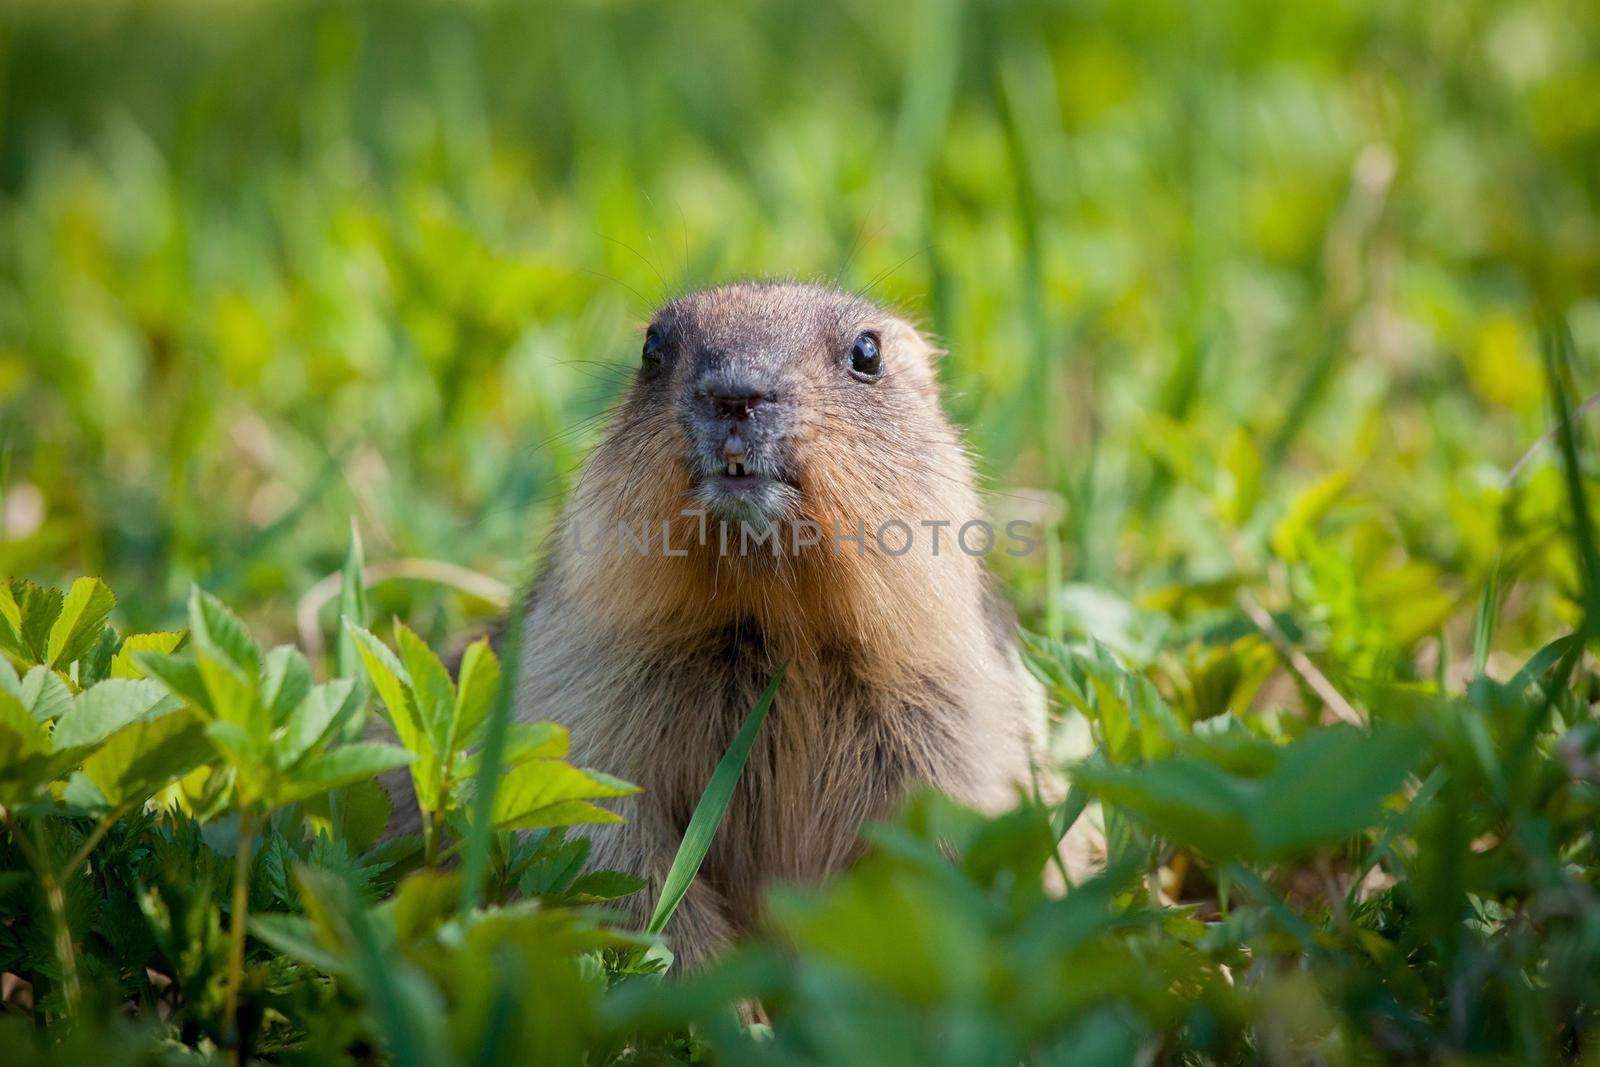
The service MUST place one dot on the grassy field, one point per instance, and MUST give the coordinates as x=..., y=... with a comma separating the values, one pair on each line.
x=1269, y=310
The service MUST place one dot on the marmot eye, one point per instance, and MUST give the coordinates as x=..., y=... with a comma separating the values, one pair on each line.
x=650, y=358
x=865, y=359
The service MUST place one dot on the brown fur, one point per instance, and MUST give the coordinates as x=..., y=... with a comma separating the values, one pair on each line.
x=901, y=670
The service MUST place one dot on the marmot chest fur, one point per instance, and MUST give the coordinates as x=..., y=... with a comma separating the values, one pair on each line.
x=778, y=487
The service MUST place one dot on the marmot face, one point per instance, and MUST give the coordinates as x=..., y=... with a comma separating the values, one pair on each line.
x=775, y=401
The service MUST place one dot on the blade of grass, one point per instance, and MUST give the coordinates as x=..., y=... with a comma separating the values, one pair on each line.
x=1488, y=619
x=1557, y=349
x=708, y=813
x=1557, y=359
x=352, y=608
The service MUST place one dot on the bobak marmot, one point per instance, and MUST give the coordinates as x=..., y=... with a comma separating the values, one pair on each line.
x=773, y=490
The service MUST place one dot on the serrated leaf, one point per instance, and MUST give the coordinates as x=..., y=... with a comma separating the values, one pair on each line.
x=235, y=745
x=554, y=864
x=179, y=673
x=542, y=792
x=1189, y=801
x=524, y=741
x=231, y=692
x=94, y=666
x=359, y=818
x=563, y=813
x=1326, y=786
x=124, y=665
x=102, y=710
x=1330, y=784
x=9, y=682
x=475, y=687
x=37, y=609
x=77, y=627
x=432, y=693
x=146, y=756
x=11, y=623
x=45, y=694
x=20, y=733
x=285, y=681
x=393, y=683
x=598, y=886
x=421, y=904
x=312, y=719
x=26, y=764
x=222, y=633
x=296, y=936
x=361, y=761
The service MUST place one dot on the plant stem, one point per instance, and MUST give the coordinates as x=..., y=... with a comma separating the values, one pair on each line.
x=65, y=949
x=241, y=907
x=430, y=839
x=56, y=900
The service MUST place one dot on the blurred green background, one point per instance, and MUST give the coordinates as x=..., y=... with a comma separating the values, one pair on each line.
x=1236, y=293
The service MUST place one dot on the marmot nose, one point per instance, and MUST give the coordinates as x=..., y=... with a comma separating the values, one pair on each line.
x=736, y=401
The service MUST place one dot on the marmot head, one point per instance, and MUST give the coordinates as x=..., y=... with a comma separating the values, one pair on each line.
x=807, y=413
x=778, y=401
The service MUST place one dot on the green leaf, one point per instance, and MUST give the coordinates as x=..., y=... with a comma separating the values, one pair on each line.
x=285, y=681
x=44, y=694
x=393, y=684
x=708, y=812
x=1330, y=784
x=235, y=744
x=1326, y=786
x=604, y=885
x=179, y=673
x=9, y=682
x=1192, y=802
x=432, y=693
x=231, y=692
x=83, y=615
x=104, y=709
x=124, y=665
x=475, y=688
x=524, y=741
x=20, y=733
x=94, y=666
x=361, y=761
x=539, y=794
x=313, y=719
x=296, y=936
x=26, y=762
x=358, y=818
x=147, y=756
x=37, y=610
x=214, y=628
x=11, y=623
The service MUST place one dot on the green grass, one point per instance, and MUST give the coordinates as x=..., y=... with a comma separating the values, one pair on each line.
x=1272, y=312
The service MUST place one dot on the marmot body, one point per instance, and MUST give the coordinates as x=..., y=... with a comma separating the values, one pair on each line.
x=775, y=406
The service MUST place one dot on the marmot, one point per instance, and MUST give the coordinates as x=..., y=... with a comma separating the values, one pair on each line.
x=769, y=408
